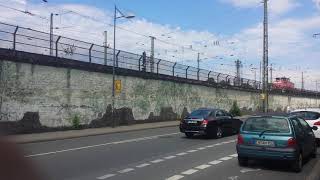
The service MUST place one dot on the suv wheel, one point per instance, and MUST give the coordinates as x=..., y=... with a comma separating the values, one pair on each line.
x=297, y=164
x=189, y=135
x=242, y=161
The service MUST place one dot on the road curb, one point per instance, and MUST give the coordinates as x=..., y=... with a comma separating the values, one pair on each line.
x=53, y=136
x=315, y=174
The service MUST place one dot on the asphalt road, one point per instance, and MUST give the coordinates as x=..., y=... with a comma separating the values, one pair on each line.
x=162, y=153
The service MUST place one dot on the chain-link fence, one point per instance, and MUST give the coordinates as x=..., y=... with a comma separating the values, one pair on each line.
x=29, y=40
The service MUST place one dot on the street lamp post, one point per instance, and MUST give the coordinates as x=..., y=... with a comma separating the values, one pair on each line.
x=114, y=56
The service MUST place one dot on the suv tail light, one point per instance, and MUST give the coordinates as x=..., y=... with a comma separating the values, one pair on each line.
x=291, y=142
x=240, y=139
x=204, y=122
x=317, y=123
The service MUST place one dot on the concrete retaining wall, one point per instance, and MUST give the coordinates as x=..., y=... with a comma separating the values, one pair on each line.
x=59, y=94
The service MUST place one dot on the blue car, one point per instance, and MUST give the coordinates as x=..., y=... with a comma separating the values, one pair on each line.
x=288, y=138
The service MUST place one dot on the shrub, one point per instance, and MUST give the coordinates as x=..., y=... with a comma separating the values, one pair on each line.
x=75, y=122
x=235, y=110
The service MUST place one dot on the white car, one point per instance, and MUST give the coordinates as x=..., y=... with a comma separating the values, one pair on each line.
x=312, y=116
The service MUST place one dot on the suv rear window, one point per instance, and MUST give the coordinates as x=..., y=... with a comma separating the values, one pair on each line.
x=271, y=124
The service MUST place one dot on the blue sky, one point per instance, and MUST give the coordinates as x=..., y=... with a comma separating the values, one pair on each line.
x=212, y=15
x=236, y=24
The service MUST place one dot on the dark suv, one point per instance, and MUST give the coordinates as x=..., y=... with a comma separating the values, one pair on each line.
x=209, y=122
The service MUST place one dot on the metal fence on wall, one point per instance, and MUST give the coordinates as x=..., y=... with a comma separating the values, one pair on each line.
x=29, y=40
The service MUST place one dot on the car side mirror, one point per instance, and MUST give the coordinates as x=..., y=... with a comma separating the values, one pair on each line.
x=314, y=128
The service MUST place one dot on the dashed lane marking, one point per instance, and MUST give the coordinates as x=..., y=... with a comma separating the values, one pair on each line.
x=175, y=177
x=204, y=166
x=157, y=161
x=106, y=176
x=215, y=162
x=234, y=155
x=225, y=158
x=142, y=165
x=170, y=157
x=125, y=170
x=189, y=172
x=191, y=151
x=248, y=170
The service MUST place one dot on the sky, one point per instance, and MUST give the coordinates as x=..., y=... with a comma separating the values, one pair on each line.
x=222, y=31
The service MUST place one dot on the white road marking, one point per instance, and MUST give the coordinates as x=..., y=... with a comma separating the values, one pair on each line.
x=248, y=170
x=234, y=155
x=190, y=171
x=215, y=162
x=218, y=144
x=157, y=161
x=106, y=176
x=204, y=166
x=142, y=165
x=181, y=154
x=191, y=151
x=225, y=158
x=175, y=177
x=99, y=145
x=201, y=148
x=170, y=157
x=210, y=146
x=233, y=177
x=125, y=170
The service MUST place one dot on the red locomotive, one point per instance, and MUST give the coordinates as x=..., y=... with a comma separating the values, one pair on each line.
x=282, y=83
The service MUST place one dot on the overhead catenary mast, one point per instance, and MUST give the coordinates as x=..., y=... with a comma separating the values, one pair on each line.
x=265, y=84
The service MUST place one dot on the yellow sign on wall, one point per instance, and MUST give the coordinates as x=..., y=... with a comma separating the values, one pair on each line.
x=117, y=86
x=262, y=96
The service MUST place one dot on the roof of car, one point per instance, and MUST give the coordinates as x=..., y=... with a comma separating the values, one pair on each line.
x=282, y=114
x=209, y=109
x=307, y=109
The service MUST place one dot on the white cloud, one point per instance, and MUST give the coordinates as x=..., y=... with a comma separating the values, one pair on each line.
x=291, y=47
x=276, y=7
x=317, y=3
x=291, y=42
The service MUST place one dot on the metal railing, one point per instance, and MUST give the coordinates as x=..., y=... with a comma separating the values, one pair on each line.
x=29, y=40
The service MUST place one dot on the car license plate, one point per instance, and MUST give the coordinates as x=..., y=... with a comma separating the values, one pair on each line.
x=192, y=122
x=264, y=143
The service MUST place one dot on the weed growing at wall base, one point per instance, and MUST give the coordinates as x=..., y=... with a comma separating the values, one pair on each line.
x=235, y=110
x=75, y=121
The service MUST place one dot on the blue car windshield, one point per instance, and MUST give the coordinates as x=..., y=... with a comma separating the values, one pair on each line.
x=200, y=112
x=270, y=124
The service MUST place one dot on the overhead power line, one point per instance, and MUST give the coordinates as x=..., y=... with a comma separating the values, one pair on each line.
x=24, y=12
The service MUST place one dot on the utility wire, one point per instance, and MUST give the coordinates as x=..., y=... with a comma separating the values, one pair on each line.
x=24, y=11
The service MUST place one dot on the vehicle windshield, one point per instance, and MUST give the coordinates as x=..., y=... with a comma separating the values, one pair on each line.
x=268, y=124
x=200, y=112
x=307, y=115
